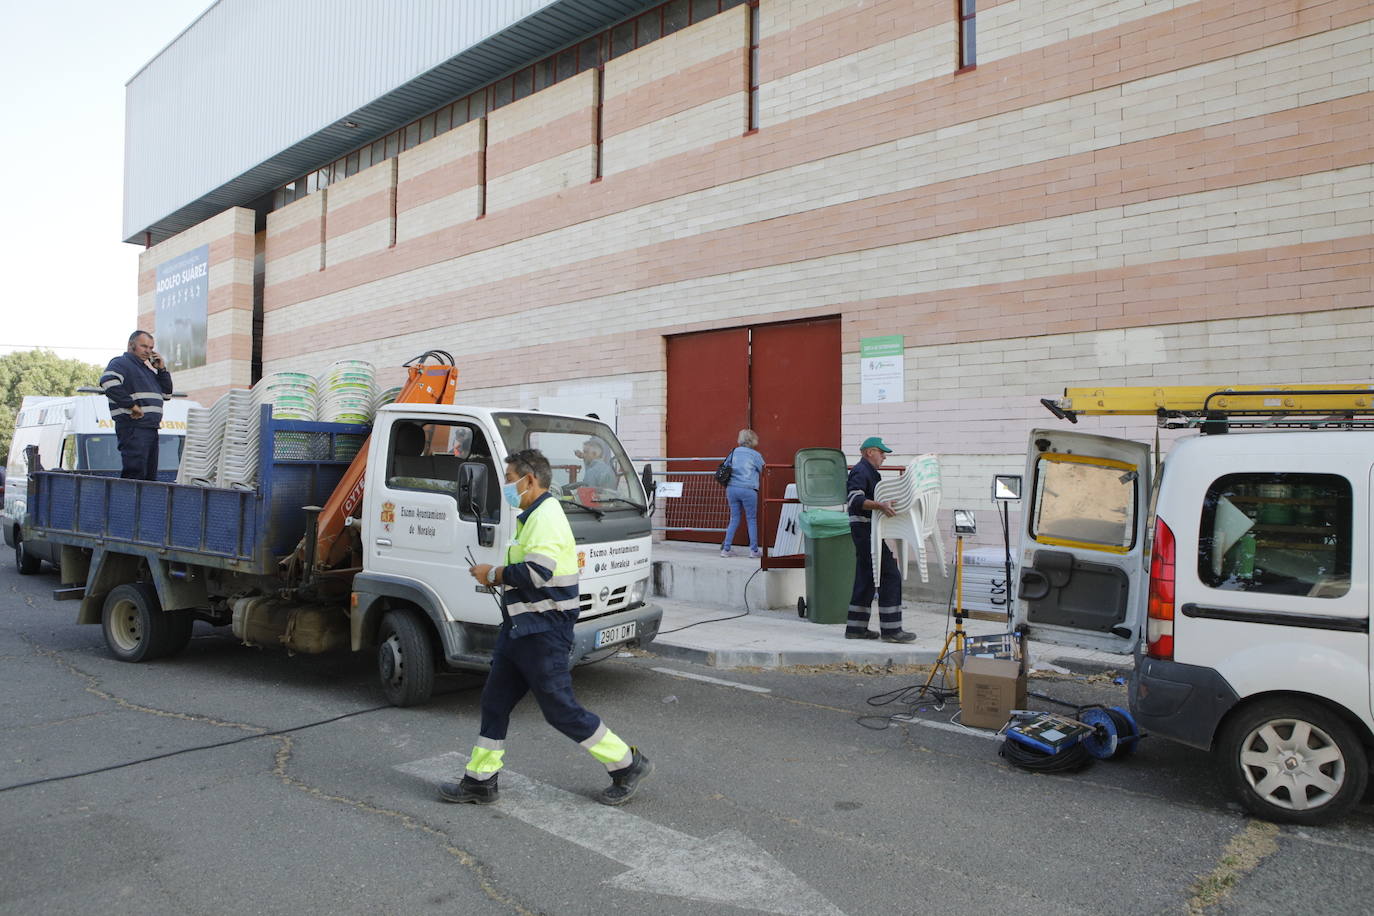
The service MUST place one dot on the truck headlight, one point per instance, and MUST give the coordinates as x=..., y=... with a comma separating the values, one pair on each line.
x=638, y=590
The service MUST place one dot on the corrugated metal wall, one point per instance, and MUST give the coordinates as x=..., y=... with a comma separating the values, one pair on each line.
x=252, y=77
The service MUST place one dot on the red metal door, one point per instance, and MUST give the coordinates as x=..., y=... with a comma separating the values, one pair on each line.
x=795, y=392
x=782, y=380
x=708, y=404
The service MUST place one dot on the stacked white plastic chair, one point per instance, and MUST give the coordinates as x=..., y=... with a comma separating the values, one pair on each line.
x=915, y=499
x=204, y=439
x=346, y=392
x=238, y=460
x=789, y=539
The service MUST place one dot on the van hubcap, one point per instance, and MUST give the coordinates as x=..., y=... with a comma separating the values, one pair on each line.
x=1293, y=764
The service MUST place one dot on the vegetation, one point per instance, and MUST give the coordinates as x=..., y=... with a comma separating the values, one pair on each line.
x=39, y=372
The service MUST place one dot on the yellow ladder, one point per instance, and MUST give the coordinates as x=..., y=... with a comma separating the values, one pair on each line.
x=1306, y=406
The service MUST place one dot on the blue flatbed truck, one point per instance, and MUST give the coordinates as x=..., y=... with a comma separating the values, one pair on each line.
x=146, y=559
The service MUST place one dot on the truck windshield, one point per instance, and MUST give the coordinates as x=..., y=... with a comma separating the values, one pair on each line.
x=101, y=453
x=590, y=467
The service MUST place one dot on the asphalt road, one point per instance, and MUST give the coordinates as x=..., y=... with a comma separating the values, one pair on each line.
x=234, y=780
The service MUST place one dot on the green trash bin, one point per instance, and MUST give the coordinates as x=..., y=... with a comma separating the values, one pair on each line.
x=829, y=564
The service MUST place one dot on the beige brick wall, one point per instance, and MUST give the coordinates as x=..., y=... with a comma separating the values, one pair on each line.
x=438, y=182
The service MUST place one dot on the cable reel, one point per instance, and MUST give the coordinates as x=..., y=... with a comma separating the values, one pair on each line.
x=1115, y=733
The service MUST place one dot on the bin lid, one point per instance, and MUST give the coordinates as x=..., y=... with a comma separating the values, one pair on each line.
x=821, y=476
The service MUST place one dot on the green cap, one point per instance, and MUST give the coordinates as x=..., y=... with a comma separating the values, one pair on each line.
x=875, y=442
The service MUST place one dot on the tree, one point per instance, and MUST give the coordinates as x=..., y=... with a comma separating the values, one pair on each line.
x=37, y=372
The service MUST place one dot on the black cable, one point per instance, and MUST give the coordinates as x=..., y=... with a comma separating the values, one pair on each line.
x=719, y=619
x=914, y=694
x=1069, y=760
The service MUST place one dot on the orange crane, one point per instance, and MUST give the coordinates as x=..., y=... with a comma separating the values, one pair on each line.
x=426, y=384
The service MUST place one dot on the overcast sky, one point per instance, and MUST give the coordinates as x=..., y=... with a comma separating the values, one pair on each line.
x=69, y=282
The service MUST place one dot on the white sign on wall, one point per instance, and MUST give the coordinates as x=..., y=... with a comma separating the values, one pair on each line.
x=882, y=370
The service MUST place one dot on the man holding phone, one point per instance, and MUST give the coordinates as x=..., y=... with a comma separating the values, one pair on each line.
x=136, y=382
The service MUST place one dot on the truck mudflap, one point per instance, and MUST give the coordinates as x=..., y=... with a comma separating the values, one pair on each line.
x=1183, y=703
x=602, y=636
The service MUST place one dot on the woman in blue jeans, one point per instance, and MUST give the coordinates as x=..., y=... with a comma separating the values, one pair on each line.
x=742, y=493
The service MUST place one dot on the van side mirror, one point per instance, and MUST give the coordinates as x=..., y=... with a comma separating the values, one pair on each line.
x=647, y=478
x=474, y=498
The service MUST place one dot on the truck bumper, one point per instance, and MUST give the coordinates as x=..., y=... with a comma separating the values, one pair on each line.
x=1183, y=703
x=646, y=619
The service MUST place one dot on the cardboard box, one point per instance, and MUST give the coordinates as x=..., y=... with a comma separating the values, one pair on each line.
x=992, y=688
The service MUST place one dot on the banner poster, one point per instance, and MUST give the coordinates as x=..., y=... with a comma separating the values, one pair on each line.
x=882, y=370
x=182, y=300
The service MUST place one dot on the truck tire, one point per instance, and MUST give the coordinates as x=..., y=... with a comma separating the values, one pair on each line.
x=405, y=658
x=135, y=626
x=178, y=633
x=1292, y=760
x=25, y=562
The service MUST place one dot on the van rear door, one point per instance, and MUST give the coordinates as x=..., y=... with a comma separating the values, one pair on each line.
x=1083, y=540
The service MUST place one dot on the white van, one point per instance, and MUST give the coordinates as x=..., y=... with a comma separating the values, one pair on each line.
x=1241, y=582
x=74, y=433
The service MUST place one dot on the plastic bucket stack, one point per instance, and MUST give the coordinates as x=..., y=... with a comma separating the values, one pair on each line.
x=346, y=391
x=387, y=396
x=291, y=394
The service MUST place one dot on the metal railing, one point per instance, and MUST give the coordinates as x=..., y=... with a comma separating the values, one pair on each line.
x=691, y=501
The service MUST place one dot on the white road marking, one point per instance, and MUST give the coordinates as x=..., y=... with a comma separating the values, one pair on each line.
x=950, y=727
x=712, y=680
x=725, y=868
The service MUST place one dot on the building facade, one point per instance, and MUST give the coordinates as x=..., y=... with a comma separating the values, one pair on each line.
x=1030, y=195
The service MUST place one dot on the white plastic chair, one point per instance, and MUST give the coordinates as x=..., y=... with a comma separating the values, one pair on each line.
x=915, y=497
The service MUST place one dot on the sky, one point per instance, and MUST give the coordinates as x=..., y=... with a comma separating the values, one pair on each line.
x=71, y=284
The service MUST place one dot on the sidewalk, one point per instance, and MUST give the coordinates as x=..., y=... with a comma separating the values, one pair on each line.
x=776, y=639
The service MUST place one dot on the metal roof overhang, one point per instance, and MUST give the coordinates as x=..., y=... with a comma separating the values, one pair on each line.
x=532, y=38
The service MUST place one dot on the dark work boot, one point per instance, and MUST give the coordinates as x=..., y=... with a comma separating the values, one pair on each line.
x=469, y=791
x=625, y=781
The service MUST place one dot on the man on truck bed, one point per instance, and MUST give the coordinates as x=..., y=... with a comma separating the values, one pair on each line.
x=136, y=383
x=538, y=609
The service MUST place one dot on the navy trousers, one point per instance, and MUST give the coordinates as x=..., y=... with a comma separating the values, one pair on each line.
x=889, y=591
x=538, y=663
x=137, y=451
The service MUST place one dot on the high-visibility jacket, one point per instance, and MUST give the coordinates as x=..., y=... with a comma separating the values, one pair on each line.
x=540, y=575
x=128, y=381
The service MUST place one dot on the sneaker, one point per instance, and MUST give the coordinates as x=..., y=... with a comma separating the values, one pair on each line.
x=899, y=636
x=469, y=791
x=755, y=553
x=625, y=782
x=860, y=634
x=725, y=552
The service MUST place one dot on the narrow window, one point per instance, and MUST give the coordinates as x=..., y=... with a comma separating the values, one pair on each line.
x=968, y=40
x=753, y=123
x=596, y=126
x=675, y=16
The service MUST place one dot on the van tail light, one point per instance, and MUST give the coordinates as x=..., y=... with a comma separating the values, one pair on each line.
x=1159, y=625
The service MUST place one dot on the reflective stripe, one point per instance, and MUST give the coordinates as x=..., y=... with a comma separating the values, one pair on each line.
x=151, y=408
x=544, y=604
x=147, y=394
x=607, y=747
x=108, y=382
x=118, y=410
x=486, y=762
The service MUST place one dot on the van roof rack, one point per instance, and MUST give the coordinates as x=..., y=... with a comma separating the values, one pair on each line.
x=1215, y=410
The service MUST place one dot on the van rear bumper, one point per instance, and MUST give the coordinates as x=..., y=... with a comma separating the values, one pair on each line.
x=1183, y=703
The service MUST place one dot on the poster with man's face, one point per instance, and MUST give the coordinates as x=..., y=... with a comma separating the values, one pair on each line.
x=182, y=300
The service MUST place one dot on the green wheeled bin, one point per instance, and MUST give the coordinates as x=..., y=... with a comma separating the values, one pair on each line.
x=821, y=475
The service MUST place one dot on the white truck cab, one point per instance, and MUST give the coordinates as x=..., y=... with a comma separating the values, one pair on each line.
x=73, y=433
x=1241, y=581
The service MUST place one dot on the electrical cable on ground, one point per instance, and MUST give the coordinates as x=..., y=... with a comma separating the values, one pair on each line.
x=913, y=695
x=719, y=619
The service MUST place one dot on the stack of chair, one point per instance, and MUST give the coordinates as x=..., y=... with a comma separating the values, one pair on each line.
x=915, y=497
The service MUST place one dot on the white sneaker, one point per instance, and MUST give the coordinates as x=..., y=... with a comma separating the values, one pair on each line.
x=725, y=552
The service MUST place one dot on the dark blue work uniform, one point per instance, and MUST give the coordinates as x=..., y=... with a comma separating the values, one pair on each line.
x=128, y=381
x=863, y=477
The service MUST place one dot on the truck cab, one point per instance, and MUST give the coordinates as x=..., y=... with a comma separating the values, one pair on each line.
x=1240, y=580
x=432, y=507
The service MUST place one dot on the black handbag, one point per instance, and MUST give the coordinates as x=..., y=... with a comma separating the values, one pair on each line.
x=724, y=472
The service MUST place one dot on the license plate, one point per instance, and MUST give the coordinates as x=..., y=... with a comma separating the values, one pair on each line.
x=612, y=635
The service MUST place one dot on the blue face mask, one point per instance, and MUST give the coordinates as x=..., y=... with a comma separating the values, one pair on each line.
x=511, y=492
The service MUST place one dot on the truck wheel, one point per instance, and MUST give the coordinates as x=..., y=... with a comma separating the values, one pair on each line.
x=136, y=629
x=405, y=658
x=1292, y=760
x=26, y=562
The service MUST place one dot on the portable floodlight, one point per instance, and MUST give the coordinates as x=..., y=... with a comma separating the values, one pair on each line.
x=964, y=522
x=1006, y=486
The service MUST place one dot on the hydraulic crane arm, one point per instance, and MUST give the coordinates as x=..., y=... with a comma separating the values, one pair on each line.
x=426, y=384
x=1234, y=405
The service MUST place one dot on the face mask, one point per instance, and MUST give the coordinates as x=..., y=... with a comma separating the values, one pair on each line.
x=511, y=492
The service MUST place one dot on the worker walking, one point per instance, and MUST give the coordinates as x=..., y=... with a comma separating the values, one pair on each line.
x=538, y=609
x=863, y=477
x=136, y=382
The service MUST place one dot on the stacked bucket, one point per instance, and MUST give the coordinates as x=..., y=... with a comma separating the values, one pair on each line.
x=346, y=392
x=291, y=394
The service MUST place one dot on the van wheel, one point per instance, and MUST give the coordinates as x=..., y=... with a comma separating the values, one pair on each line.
x=405, y=659
x=1292, y=760
x=26, y=562
x=136, y=628
x=179, y=624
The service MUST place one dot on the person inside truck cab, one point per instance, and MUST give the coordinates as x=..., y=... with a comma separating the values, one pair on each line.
x=136, y=382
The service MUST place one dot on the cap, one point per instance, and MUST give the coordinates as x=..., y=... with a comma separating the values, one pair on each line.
x=874, y=442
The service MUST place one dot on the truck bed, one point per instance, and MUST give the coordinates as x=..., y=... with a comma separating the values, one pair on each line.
x=249, y=531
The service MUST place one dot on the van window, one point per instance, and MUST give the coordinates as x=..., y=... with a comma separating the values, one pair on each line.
x=430, y=456
x=1084, y=502
x=1287, y=534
